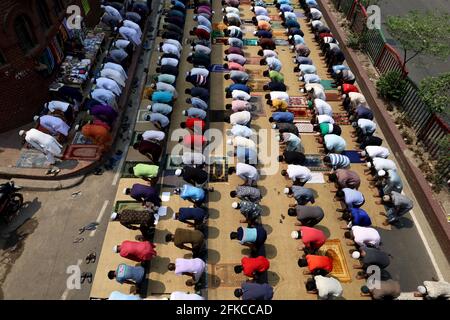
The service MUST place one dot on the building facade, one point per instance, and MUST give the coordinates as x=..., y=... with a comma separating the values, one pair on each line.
x=31, y=48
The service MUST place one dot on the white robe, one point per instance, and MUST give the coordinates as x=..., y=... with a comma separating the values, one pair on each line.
x=43, y=142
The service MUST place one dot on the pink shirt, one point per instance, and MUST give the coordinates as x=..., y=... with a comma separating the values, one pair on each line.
x=240, y=105
x=235, y=66
x=137, y=251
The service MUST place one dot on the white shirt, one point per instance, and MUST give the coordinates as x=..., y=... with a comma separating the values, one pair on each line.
x=377, y=152
x=195, y=266
x=244, y=142
x=241, y=117
x=112, y=11
x=43, y=142
x=201, y=71
x=231, y=10
x=328, y=286
x=290, y=14
x=58, y=105
x=357, y=98
x=203, y=21
x=130, y=34
x=241, y=131
x=193, y=158
x=121, y=43
x=103, y=95
x=316, y=14
x=169, y=61
x=162, y=86
x=54, y=124
x=318, y=90
x=279, y=95
x=233, y=57
x=175, y=43
x=263, y=17
x=178, y=295
x=366, y=235
x=114, y=75
x=170, y=48
x=322, y=107
x=133, y=25
x=247, y=171
x=260, y=11
x=117, y=67
x=109, y=84
x=383, y=164
x=153, y=135
x=325, y=118
x=436, y=289
x=240, y=95
x=367, y=125
x=298, y=172
x=230, y=28
x=269, y=53
x=202, y=49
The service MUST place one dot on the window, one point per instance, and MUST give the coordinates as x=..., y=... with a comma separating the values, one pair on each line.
x=25, y=35
x=2, y=59
x=43, y=14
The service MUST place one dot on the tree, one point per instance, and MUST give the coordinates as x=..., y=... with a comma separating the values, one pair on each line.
x=421, y=33
x=435, y=93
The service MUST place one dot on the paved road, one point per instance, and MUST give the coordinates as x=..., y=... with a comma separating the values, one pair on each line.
x=421, y=66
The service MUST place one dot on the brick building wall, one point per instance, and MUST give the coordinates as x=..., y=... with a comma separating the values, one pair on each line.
x=23, y=91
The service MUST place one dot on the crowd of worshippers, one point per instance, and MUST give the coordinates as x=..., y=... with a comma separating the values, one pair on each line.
x=54, y=123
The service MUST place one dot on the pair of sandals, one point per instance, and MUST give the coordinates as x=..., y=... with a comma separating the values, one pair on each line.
x=91, y=258
x=86, y=275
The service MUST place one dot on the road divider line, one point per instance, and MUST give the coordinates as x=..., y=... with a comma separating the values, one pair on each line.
x=100, y=216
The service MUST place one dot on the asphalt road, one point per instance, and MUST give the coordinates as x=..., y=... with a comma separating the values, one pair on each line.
x=421, y=66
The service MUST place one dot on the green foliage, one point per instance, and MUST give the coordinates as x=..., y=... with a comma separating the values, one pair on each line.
x=422, y=32
x=442, y=164
x=435, y=93
x=355, y=41
x=391, y=85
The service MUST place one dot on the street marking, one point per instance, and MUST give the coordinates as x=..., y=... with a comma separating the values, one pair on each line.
x=100, y=216
x=66, y=292
x=119, y=171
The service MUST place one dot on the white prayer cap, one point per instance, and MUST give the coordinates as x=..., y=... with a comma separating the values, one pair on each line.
x=223, y=10
x=301, y=78
x=116, y=249
x=295, y=234
x=36, y=118
x=88, y=112
x=113, y=216
x=292, y=48
x=255, y=32
x=149, y=107
x=386, y=198
x=21, y=132
x=422, y=289
x=363, y=153
x=338, y=72
x=286, y=190
x=287, y=30
x=344, y=96
x=178, y=172
x=274, y=126
x=230, y=142
x=381, y=173
x=369, y=165
x=356, y=254
x=290, y=37
x=153, y=85
x=184, y=112
x=302, y=90
x=125, y=190
x=235, y=205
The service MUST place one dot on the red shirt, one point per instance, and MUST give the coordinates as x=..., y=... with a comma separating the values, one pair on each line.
x=319, y=262
x=195, y=140
x=235, y=66
x=252, y=265
x=202, y=34
x=312, y=238
x=235, y=50
x=325, y=34
x=193, y=123
x=346, y=88
x=99, y=122
x=137, y=251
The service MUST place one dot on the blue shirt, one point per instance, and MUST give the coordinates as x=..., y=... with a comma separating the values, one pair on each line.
x=353, y=197
x=125, y=272
x=258, y=233
x=239, y=86
x=199, y=103
x=307, y=68
x=256, y=291
x=360, y=217
x=196, y=214
x=334, y=143
x=191, y=192
x=264, y=34
x=162, y=96
x=116, y=295
x=246, y=155
x=363, y=112
x=283, y=116
x=393, y=182
x=304, y=60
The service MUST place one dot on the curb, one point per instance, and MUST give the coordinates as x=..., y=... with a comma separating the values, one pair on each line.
x=33, y=185
x=422, y=191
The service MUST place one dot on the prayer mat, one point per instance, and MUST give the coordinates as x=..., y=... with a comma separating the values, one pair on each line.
x=223, y=275
x=134, y=138
x=333, y=96
x=304, y=127
x=340, y=268
x=119, y=206
x=82, y=152
x=131, y=164
x=257, y=84
x=277, y=25
x=222, y=40
x=250, y=42
x=353, y=156
x=341, y=118
x=257, y=101
x=218, y=170
x=218, y=68
x=298, y=101
x=174, y=162
x=218, y=115
x=281, y=42
x=219, y=26
x=317, y=177
x=278, y=33
x=32, y=159
x=299, y=113
x=328, y=84
x=217, y=34
x=80, y=139
x=141, y=116
x=314, y=162
x=275, y=17
x=255, y=74
x=254, y=61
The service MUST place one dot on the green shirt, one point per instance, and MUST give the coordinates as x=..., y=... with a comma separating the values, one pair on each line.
x=145, y=170
x=325, y=128
x=276, y=76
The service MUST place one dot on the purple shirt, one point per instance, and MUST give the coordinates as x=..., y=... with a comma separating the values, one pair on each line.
x=141, y=192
